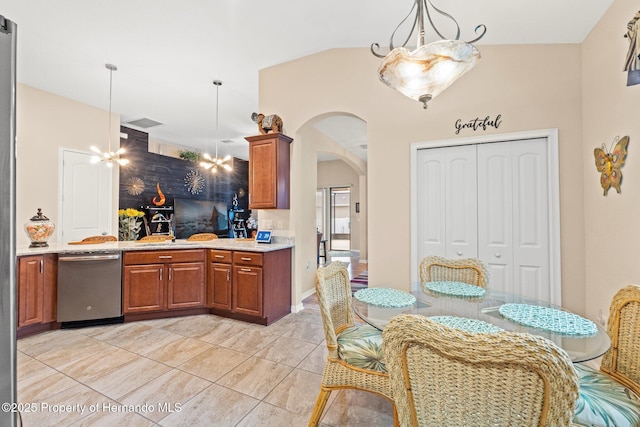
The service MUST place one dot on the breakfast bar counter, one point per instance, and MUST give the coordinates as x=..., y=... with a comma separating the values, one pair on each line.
x=138, y=245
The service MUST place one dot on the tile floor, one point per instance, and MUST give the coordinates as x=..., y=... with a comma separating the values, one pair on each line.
x=193, y=371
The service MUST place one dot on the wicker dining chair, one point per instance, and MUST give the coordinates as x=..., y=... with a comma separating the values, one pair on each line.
x=466, y=270
x=441, y=376
x=355, y=350
x=611, y=397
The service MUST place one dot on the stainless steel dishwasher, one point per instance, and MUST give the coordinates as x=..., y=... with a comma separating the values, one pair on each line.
x=89, y=288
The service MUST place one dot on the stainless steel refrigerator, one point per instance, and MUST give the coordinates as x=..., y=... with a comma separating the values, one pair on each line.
x=8, y=393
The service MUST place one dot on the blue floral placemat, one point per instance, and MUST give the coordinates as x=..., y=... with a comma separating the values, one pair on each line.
x=467, y=325
x=458, y=289
x=385, y=297
x=548, y=319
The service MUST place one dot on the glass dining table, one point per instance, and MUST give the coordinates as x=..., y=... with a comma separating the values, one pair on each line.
x=581, y=338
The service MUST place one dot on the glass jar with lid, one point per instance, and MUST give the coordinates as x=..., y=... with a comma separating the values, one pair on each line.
x=39, y=228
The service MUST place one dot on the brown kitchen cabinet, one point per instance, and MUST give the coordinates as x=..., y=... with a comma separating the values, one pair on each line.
x=37, y=289
x=219, y=280
x=251, y=286
x=269, y=175
x=163, y=280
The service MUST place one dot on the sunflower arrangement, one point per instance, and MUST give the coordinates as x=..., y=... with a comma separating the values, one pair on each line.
x=129, y=223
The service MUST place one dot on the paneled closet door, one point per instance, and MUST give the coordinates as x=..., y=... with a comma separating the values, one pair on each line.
x=447, y=202
x=513, y=216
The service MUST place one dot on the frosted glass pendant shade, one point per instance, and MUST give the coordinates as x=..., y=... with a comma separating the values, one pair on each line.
x=425, y=72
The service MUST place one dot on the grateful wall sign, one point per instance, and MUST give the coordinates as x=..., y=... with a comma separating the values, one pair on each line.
x=478, y=123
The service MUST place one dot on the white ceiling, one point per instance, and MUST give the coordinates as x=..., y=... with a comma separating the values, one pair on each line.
x=168, y=52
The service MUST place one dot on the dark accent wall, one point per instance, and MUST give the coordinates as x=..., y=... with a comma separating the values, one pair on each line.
x=170, y=172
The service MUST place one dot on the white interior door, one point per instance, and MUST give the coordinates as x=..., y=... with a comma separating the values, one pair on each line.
x=491, y=201
x=86, y=197
x=513, y=216
x=531, y=249
x=461, y=195
x=447, y=202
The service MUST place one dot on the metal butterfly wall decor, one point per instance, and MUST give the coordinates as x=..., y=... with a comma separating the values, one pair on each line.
x=609, y=163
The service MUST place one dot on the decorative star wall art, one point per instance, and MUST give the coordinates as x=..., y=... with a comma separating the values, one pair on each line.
x=135, y=186
x=194, y=181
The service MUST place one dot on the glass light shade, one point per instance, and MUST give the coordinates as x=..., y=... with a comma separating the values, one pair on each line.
x=428, y=70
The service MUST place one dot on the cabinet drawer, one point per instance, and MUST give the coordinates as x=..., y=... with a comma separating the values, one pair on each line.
x=220, y=256
x=247, y=258
x=155, y=257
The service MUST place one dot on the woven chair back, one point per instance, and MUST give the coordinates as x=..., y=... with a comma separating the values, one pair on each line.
x=466, y=270
x=622, y=361
x=442, y=376
x=333, y=290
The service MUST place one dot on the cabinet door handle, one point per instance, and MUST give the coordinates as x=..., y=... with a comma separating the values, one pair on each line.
x=219, y=256
x=244, y=258
x=165, y=256
x=41, y=266
x=228, y=275
x=161, y=275
x=170, y=274
x=245, y=269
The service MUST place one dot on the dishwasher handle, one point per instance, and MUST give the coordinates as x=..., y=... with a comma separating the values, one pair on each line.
x=102, y=257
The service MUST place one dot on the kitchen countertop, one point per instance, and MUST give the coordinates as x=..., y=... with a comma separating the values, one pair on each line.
x=225, y=244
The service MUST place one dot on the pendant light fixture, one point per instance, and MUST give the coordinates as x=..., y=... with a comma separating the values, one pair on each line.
x=213, y=163
x=423, y=73
x=109, y=157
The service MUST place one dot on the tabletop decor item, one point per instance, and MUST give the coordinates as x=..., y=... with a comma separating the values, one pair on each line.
x=609, y=163
x=159, y=199
x=266, y=124
x=632, y=62
x=39, y=228
x=129, y=223
x=385, y=297
x=457, y=289
x=548, y=319
x=467, y=325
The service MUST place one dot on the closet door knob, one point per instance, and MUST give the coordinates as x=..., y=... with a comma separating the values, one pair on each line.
x=498, y=255
x=459, y=253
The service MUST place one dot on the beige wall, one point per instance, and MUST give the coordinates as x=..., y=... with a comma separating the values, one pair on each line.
x=610, y=109
x=532, y=86
x=46, y=123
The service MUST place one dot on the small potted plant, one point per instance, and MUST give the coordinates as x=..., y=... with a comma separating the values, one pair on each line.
x=190, y=155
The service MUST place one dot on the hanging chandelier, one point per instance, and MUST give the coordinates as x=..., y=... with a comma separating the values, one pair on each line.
x=213, y=163
x=109, y=157
x=423, y=73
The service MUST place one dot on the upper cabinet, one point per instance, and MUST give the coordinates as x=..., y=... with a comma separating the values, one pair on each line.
x=269, y=161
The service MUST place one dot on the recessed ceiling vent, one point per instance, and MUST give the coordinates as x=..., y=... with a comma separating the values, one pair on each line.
x=227, y=141
x=144, y=123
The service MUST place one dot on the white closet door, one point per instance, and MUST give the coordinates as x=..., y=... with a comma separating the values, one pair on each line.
x=495, y=213
x=531, y=220
x=447, y=202
x=461, y=194
x=431, y=202
x=513, y=216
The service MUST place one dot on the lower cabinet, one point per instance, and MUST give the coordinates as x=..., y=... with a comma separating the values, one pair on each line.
x=37, y=289
x=253, y=286
x=163, y=280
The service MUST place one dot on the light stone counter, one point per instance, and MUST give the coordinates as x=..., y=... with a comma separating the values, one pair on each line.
x=226, y=244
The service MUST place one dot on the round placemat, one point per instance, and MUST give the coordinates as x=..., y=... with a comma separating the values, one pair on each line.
x=385, y=297
x=548, y=319
x=458, y=289
x=467, y=325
